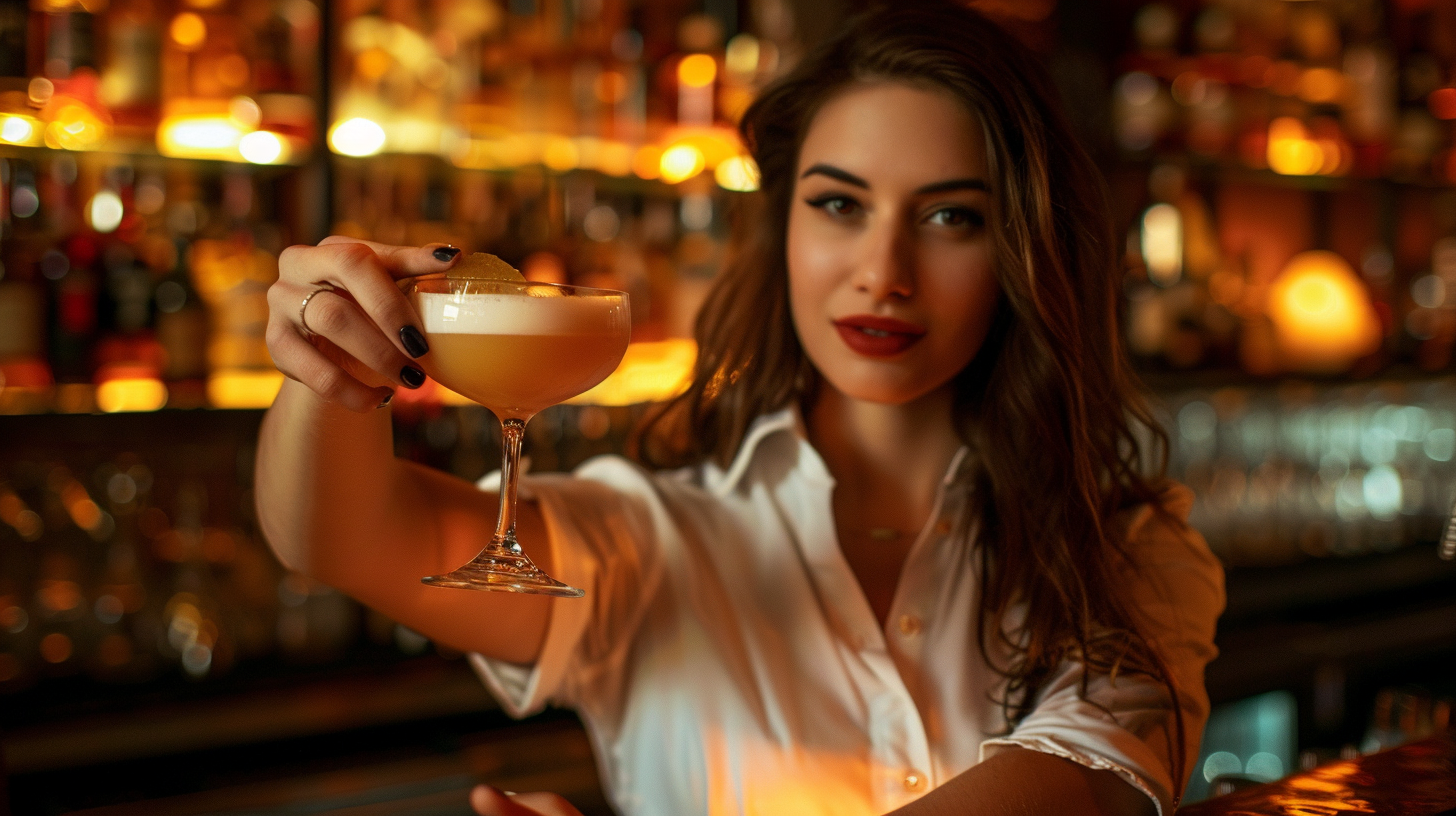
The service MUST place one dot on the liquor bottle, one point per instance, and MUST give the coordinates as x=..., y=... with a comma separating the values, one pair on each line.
x=14, y=15
x=22, y=310
x=131, y=82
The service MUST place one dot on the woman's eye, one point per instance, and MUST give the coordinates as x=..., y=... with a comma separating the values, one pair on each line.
x=835, y=205
x=957, y=217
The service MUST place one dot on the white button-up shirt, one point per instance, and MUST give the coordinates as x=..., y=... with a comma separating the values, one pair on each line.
x=726, y=661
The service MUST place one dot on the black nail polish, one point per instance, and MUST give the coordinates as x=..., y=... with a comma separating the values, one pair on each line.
x=386, y=400
x=446, y=253
x=414, y=342
x=412, y=377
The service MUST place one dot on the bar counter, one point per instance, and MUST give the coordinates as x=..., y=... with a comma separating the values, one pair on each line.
x=1417, y=779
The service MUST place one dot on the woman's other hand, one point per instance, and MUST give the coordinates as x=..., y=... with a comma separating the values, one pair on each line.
x=488, y=801
x=354, y=340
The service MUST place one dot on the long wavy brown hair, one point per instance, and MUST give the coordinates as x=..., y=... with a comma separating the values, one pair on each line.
x=1048, y=407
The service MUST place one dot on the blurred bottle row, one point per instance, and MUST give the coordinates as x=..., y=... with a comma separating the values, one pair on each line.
x=129, y=285
x=603, y=84
x=643, y=89
x=220, y=79
x=132, y=284
x=1338, y=261
x=1273, y=280
x=138, y=564
x=1295, y=472
x=1360, y=88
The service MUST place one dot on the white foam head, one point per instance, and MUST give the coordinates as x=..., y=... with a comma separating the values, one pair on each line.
x=444, y=313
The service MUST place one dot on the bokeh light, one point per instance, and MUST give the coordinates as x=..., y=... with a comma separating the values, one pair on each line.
x=357, y=137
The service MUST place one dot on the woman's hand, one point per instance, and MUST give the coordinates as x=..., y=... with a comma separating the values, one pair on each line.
x=352, y=344
x=488, y=801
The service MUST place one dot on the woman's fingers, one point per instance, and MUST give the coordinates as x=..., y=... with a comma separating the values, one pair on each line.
x=300, y=360
x=403, y=262
x=369, y=325
x=335, y=317
x=359, y=270
x=488, y=801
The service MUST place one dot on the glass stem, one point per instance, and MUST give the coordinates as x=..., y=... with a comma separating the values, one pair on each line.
x=513, y=431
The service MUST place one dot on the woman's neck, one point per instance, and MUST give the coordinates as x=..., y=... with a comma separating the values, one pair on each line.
x=898, y=453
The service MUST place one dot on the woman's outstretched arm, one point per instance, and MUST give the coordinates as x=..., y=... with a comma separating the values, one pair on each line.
x=1023, y=782
x=333, y=501
x=1014, y=782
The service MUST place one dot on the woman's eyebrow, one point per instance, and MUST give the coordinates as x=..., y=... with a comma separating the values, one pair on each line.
x=835, y=173
x=937, y=187
x=954, y=184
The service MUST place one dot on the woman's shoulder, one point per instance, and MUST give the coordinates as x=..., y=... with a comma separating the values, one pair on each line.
x=1157, y=531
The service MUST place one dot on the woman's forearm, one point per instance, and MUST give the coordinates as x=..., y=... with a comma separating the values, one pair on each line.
x=1021, y=782
x=324, y=477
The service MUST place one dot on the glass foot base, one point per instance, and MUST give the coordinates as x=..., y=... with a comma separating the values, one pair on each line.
x=503, y=573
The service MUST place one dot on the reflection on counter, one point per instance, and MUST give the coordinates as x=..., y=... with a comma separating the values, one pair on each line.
x=1418, y=779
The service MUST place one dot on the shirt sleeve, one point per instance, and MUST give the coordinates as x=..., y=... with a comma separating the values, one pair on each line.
x=602, y=540
x=1126, y=724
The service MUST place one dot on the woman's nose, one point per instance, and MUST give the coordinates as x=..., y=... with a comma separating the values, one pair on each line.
x=886, y=267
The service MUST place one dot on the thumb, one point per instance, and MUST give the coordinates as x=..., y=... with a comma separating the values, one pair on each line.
x=488, y=801
x=405, y=262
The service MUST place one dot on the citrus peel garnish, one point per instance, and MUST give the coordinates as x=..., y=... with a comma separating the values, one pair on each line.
x=484, y=266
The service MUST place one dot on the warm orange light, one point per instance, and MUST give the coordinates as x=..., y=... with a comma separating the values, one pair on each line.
x=737, y=173
x=75, y=127
x=742, y=55
x=647, y=163
x=131, y=394
x=649, y=372
x=1162, y=243
x=357, y=137
x=680, y=163
x=188, y=31
x=615, y=159
x=1322, y=314
x=1442, y=103
x=19, y=129
x=373, y=63
x=79, y=505
x=263, y=147
x=243, y=389
x=560, y=154
x=1291, y=152
x=200, y=136
x=697, y=70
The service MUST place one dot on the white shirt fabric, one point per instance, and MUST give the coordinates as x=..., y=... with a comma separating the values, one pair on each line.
x=725, y=660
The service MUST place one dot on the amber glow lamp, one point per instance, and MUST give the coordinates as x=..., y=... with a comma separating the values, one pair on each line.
x=1322, y=314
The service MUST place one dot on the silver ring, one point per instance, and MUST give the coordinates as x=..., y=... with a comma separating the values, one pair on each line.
x=303, y=307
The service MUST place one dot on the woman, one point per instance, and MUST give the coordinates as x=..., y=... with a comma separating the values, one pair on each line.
x=906, y=560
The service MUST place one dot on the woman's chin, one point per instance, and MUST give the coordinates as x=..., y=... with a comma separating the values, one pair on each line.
x=879, y=391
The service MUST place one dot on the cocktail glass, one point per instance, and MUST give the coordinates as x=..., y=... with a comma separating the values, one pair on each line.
x=515, y=348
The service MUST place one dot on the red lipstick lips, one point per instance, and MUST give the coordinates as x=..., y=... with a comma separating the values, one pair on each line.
x=875, y=336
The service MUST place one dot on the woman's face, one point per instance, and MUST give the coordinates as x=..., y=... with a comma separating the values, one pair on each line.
x=891, y=279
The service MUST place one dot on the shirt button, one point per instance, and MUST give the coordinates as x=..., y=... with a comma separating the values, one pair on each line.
x=909, y=625
x=914, y=781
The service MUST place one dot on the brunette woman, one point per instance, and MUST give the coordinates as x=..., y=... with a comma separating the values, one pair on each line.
x=896, y=549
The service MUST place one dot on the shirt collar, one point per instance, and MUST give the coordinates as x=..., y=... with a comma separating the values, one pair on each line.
x=785, y=420
x=788, y=420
